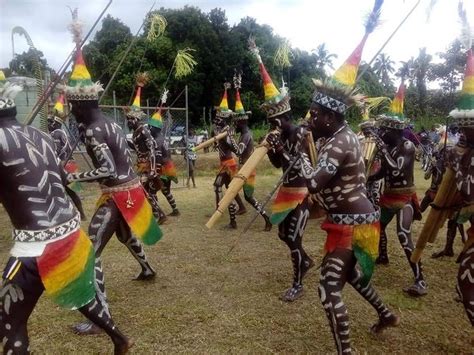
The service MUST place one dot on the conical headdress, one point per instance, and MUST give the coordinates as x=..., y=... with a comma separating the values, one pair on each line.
x=80, y=85
x=156, y=120
x=277, y=101
x=239, y=111
x=58, y=108
x=223, y=109
x=338, y=92
x=395, y=117
x=135, y=111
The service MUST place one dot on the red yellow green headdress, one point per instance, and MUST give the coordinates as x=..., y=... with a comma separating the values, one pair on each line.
x=463, y=114
x=223, y=110
x=135, y=110
x=277, y=101
x=338, y=92
x=239, y=111
x=156, y=120
x=80, y=85
x=395, y=117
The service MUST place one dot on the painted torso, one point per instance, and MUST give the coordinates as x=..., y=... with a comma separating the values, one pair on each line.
x=400, y=176
x=61, y=143
x=339, y=178
x=224, y=147
x=108, y=139
x=31, y=178
x=143, y=142
x=461, y=160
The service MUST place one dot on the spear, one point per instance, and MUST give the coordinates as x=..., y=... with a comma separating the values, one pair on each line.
x=388, y=40
x=62, y=70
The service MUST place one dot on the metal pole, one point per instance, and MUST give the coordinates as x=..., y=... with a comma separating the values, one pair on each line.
x=114, y=100
x=187, y=128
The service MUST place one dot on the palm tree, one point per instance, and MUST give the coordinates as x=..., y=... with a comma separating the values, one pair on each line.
x=323, y=59
x=421, y=66
x=405, y=72
x=383, y=67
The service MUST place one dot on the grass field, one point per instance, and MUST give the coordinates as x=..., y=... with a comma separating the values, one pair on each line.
x=205, y=300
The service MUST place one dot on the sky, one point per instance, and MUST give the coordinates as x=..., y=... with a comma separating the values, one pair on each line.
x=305, y=23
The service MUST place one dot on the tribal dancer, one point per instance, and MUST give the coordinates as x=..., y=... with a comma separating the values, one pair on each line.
x=290, y=209
x=399, y=196
x=164, y=163
x=123, y=208
x=228, y=165
x=352, y=223
x=436, y=172
x=462, y=162
x=51, y=252
x=244, y=148
x=64, y=151
x=145, y=146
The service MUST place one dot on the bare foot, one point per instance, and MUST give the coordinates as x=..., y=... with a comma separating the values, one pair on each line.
x=292, y=294
x=383, y=323
x=123, y=347
x=86, y=328
x=145, y=275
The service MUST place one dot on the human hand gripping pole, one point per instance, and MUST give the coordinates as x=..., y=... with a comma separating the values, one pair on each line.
x=239, y=180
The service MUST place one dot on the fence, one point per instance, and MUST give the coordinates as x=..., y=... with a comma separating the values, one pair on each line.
x=175, y=129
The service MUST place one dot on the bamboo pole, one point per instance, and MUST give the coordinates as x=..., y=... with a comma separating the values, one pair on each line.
x=237, y=183
x=445, y=197
x=211, y=141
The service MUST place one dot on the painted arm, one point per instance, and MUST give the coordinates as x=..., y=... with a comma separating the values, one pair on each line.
x=102, y=155
x=151, y=145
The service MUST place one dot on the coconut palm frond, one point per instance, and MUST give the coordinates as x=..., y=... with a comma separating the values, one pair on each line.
x=282, y=55
x=184, y=63
x=157, y=27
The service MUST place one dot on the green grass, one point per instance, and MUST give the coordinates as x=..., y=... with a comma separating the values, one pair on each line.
x=205, y=300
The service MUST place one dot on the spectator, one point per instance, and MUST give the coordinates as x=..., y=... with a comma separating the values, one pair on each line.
x=190, y=156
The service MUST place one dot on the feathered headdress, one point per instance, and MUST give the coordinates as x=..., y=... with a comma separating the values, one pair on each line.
x=239, y=111
x=80, y=85
x=276, y=102
x=338, y=92
x=8, y=92
x=135, y=111
x=464, y=112
x=156, y=120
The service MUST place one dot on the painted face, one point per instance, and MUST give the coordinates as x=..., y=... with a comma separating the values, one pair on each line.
x=316, y=123
x=388, y=135
x=132, y=122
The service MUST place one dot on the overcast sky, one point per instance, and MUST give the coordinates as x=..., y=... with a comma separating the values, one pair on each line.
x=306, y=23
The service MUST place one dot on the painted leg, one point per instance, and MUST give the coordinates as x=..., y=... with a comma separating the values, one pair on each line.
x=15, y=309
x=383, y=255
x=232, y=212
x=386, y=318
x=465, y=280
x=218, y=183
x=258, y=206
x=103, y=224
x=124, y=234
x=331, y=282
x=151, y=191
x=291, y=232
x=404, y=221
x=95, y=312
x=450, y=235
x=240, y=203
x=166, y=190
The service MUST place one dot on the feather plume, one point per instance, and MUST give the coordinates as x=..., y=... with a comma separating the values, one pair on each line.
x=76, y=27
x=343, y=93
x=142, y=79
x=371, y=103
x=282, y=55
x=157, y=26
x=227, y=86
x=184, y=63
x=237, y=80
x=373, y=18
x=9, y=90
x=164, y=97
x=466, y=32
x=254, y=49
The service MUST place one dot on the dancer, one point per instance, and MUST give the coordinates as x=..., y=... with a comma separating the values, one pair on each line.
x=228, y=165
x=461, y=161
x=399, y=196
x=290, y=208
x=51, y=253
x=123, y=208
x=244, y=148
x=146, y=148
x=163, y=159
